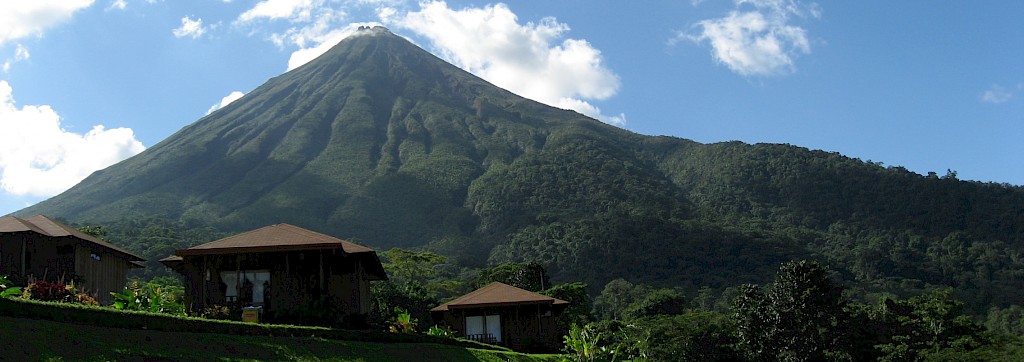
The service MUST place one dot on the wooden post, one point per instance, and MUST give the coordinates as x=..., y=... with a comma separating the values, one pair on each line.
x=238, y=279
x=538, y=320
x=465, y=325
x=321, y=254
x=23, y=258
x=203, y=282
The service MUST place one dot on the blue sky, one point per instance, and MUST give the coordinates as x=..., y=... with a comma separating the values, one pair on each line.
x=926, y=85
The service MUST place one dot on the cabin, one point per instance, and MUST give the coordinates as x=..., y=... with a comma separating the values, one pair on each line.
x=290, y=274
x=501, y=314
x=41, y=248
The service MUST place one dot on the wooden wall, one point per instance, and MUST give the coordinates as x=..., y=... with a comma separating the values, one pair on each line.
x=100, y=277
x=302, y=283
x=10, y=257
x=523, y=327
x=63, y=259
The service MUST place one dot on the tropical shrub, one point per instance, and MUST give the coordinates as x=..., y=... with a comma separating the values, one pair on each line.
x=155, y=300
x=216, y=312
x=85, y=299
x=438, y=331
x=7, y=288
x=403, y=323
x=48, y=291
x=582, y=344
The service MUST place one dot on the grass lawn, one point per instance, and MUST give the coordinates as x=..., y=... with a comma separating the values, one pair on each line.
x=33, y=340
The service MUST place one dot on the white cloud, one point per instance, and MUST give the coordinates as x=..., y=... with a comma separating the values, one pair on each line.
x=19, y=19
x=317, y=26
x=324, y=42
x=39, y=158
x=190, y=27
x=118, y=5
x=234, y=96
x=529, y=59
x=998, y=94
x=20, y=53
x=756, y=38
x=298, y=10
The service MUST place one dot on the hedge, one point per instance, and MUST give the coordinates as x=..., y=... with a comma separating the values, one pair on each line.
x=107, y=317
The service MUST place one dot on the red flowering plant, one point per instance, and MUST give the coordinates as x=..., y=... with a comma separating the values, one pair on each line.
x=50, y=291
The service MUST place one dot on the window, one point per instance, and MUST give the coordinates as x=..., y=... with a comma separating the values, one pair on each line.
x=493, y=325
x=484, y=328
x=246, y=286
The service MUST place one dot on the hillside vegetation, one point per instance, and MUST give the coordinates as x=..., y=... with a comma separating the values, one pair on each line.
x=382, y=143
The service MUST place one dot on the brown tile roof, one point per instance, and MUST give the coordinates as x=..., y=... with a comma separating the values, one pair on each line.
x=280, y=237
x=43, y=225
x=497, y=294
x=174, y=262
x=172, y=259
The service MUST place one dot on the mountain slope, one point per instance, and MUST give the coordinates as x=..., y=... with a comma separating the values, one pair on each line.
x=317, y=142
x=381, y=141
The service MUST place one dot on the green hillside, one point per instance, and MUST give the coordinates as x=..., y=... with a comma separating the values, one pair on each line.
x=381, y=142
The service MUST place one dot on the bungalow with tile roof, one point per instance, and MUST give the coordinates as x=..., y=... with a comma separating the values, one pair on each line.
x=292, y=274
x=44, y=249
x=501, y=314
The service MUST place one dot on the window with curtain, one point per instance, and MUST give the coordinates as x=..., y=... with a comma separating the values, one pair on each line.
x=246, y=285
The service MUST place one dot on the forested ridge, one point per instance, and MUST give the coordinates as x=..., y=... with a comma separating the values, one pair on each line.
x=379, y=142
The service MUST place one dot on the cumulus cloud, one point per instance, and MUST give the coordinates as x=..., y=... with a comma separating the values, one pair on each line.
x=190, y=27
x=20, y=53
x=317, y=26
x=756, y=38
x=298, y=10
x=531, y=59
x=234, y=96
x=19, y=19
x=319, y=43
x=118, y=5
x=997, y=94
x=39, y=158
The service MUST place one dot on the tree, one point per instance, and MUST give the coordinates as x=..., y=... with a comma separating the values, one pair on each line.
x=922, y=325
x=404, y=266
x=95, y=231
x=616, y=296
x=412, y=285
x=578, y=311
x=528, y=276
x=797, y=318
x=656, y=303
x=693, y=336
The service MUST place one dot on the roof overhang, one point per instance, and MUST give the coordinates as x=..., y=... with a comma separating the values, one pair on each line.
x=374, y=269
x=492, y=305
x=258, y=249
